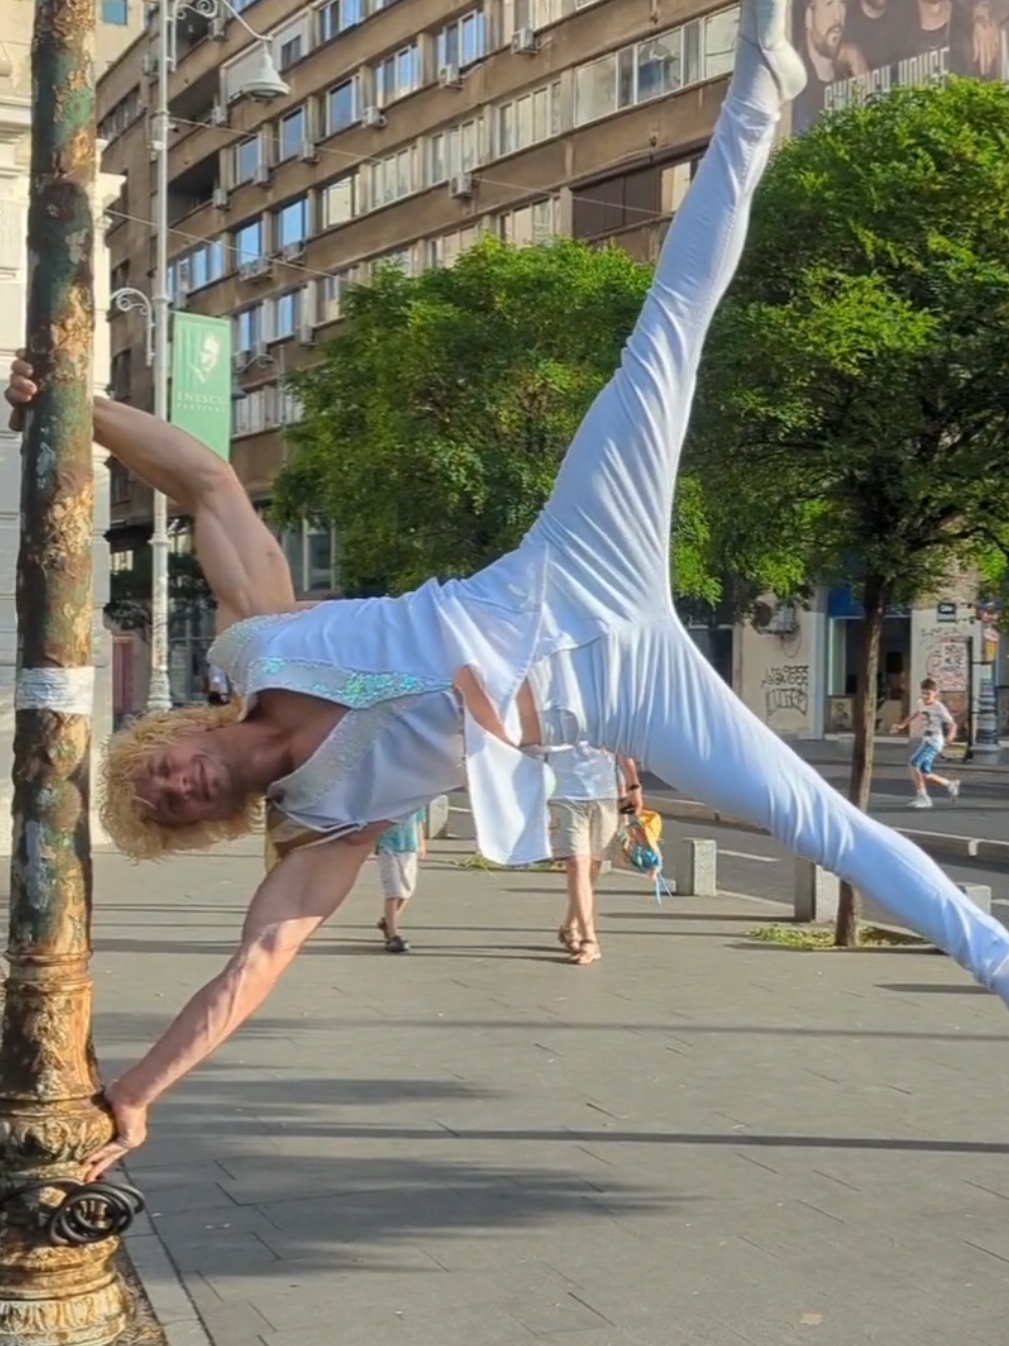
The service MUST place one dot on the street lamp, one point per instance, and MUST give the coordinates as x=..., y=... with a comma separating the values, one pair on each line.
x=262, y=83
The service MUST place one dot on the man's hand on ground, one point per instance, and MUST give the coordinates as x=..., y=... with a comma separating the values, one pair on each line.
x=131, y=1132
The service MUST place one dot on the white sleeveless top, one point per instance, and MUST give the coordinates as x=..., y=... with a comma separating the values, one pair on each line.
x=407, y=736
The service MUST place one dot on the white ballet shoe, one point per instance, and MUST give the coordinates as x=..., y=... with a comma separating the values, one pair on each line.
x=762, y=25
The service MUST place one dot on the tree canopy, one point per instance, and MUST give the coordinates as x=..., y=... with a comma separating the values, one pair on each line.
x=435, y=423
x=854, y=400
x=855, y=392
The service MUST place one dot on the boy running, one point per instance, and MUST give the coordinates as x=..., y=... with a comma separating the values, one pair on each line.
x=938, y=731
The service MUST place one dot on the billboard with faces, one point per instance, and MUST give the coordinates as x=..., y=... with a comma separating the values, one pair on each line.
x=854, y=49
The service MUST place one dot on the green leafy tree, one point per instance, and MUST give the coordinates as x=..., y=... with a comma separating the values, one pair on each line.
x=435, y=423
x=855, y=395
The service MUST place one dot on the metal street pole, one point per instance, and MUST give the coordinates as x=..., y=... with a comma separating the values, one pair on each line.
x=159, y=695
x=53, y=1293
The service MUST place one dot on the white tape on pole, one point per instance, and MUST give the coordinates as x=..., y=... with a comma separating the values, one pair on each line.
x=67, y=691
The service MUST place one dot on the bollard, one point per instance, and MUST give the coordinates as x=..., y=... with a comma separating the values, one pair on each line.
x=696, y=867
x=437, y=817
x=979, y=894
x=816, y=892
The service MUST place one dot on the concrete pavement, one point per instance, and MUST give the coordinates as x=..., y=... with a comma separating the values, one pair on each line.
x=699, y=1140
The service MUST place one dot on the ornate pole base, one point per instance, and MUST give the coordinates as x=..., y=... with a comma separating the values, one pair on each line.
x=52, y=1294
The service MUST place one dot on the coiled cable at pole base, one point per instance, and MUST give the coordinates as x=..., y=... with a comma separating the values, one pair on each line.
x=90, y=1212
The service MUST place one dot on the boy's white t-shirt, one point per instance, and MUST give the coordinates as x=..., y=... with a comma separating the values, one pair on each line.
x=935, y=718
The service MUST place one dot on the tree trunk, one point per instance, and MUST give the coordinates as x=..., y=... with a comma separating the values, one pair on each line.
x=863, y=749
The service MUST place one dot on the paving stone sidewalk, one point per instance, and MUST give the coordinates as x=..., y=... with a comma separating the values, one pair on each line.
x=699, y=1141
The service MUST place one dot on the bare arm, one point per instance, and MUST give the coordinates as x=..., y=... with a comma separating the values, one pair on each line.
x=292, y=902
x=241, y=559
x=632, y=798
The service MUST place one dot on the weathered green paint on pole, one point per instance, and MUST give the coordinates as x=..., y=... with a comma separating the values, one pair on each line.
x=50, y=1118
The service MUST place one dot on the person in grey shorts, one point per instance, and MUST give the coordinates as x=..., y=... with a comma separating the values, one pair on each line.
x=584, y=819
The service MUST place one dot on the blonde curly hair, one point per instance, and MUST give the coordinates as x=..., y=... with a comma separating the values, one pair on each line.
x=137, y=834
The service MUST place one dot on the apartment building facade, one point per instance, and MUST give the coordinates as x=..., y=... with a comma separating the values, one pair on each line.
x=117, y=24
x=410, y=128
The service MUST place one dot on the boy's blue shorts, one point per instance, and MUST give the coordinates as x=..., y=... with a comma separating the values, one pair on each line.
x=924, y=757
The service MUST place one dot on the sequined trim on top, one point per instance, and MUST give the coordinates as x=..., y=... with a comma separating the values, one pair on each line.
x=229, y=647
x=346, y=686
x=338, y=756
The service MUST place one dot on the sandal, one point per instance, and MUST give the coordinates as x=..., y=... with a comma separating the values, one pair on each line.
x=396, y=944
x=586, y=952
x=568, y=939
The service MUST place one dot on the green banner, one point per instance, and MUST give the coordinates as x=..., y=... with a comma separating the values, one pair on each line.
x=201, y=379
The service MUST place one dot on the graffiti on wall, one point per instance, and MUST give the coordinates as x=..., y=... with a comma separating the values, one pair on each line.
x=786, y=691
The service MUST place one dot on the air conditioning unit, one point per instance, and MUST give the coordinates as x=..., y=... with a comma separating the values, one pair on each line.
x=248, y=270
x=306, y=334
x=262, y=267
x=461, y=184
x=449, y=77
x=374, y=117
x=239, y=359
x=307, y=152
x=222, y=198
x=290, y=252
x=525, y=42
x=219, y=115
x=261, y=177
x=148, y=63
x=181, y=297
x=219, y=28
x=260, y=350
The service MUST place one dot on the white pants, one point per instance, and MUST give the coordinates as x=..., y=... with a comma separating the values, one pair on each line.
x=397, y=871
x=643, y=689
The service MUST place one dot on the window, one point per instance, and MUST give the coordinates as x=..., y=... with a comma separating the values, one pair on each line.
x=403, y=260
x=529, y=119
x=673, y=185
x=250, y=412
x=247, y=158
x=446, y=250
x=292, y=41
x=120, y=561
x=248, y=328
x=248, y=242
x=121, y=489
x=534, y=14
x=339, y=201
x=319, y=559
x=531, y=225
x=119, y=375
x=596, y=89
x=291, y=51
x=700, y=50
x=338, y=16
x=463, y=41
x=720, y=42
x=333, y=290
x=206, y=264
x=341, y=107
x=397, y=75
x=287, y=315
x=116, y=12
x=394, y=177
x=650, y=69
x=458, y=150
x=293, y=134
x=292, y=222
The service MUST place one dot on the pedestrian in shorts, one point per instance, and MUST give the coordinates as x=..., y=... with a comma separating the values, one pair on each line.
x=938, y=730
